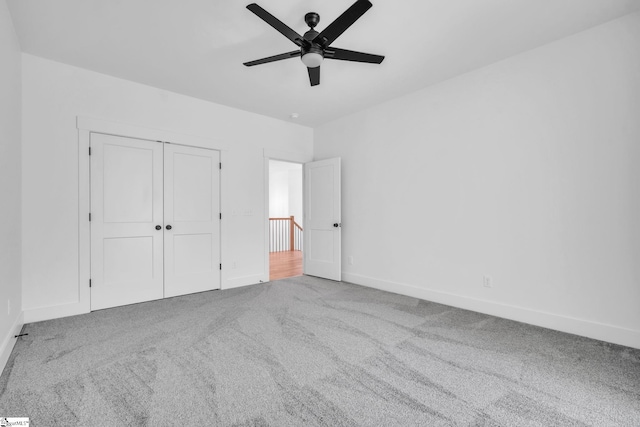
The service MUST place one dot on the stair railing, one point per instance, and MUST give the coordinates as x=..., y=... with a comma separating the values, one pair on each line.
x=285, y=234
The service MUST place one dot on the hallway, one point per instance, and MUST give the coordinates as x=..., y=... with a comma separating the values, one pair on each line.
x=285, y=264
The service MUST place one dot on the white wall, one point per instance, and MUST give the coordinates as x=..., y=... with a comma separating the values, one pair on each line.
x=295, y=193
x=526, y=171
x=10, y=286
x=54, y=94
x=285, y=190
x=278, y=191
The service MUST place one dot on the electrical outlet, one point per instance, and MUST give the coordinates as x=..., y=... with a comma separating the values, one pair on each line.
x=487, y=282
x=350, y=260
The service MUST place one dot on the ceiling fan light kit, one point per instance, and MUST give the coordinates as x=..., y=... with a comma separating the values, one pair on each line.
x=312, y=58
x=314, y=47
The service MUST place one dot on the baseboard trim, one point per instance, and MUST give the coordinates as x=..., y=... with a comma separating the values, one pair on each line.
x=54, y=312
x=582, y=327
x=73, y=309
x=238, y=282
x=10, y=341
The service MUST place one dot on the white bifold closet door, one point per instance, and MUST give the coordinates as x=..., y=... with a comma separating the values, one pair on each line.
x=192, y=209
x=155, y=220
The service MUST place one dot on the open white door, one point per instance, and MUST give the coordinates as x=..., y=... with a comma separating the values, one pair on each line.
x=192, y=220
x=322, y=225
x=126, y=221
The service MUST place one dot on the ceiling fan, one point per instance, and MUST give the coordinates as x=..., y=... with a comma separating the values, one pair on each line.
x=314, y=46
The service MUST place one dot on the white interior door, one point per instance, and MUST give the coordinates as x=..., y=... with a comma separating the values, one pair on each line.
x=126, y=209
x=322, y=229
x=192, y=220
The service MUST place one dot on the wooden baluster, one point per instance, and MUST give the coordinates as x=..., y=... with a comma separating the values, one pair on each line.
x=291, y=222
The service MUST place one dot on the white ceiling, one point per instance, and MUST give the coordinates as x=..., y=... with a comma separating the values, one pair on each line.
x=197, y=47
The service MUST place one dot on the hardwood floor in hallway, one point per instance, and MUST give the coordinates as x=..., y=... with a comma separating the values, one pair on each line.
x=285, y=264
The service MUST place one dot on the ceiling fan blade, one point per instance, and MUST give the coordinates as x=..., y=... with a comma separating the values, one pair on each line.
x=273, y=58
x=350, y=55
x=344, y=21
x=314, y=76
x=276, y=23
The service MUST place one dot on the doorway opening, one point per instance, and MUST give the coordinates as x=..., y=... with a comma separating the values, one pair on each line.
x=286, y=228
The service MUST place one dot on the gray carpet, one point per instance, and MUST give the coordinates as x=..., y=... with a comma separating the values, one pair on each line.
x=306, y=351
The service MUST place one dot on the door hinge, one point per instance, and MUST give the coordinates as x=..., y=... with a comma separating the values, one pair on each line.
x=89, y=150
x=220, y=215
x=220, y=266
x=220, y=164
x=89, y=282
x=89, y=216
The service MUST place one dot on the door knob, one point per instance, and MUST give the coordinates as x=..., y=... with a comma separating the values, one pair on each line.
x=168, y=227
x=158, y=227
x=336, y=225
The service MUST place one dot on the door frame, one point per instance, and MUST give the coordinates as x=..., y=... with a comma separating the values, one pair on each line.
x=282, y=156
x=88, y=125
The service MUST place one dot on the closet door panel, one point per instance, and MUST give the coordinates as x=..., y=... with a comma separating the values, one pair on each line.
x=126, y=208
x=191, y=209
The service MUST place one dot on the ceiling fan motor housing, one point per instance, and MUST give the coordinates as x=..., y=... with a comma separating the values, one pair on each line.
x=310, y=35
